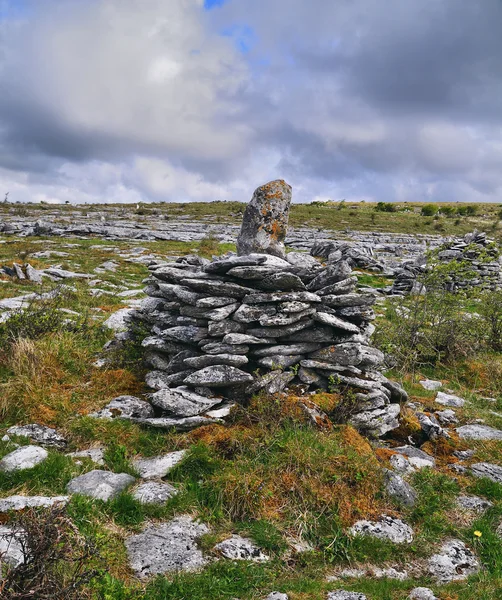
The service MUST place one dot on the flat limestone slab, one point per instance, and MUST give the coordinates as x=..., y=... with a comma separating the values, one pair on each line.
x=101, y=485
x=25, y=457
x=158, y=466
x=22, y=502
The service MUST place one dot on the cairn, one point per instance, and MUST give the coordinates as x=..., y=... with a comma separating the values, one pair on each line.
x=261, y=320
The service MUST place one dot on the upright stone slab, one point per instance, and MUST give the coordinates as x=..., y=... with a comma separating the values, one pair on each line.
x=265, y=221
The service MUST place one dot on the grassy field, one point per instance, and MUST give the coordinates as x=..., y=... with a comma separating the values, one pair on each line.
x=267, y=474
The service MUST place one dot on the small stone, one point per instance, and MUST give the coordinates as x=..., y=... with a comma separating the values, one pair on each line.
x=285, y=282
x=94, y=454
x=25, y=457
x=331, y=274
x=217, y=288
x=479, y=432
x=279, y=361
x=214, y=302
x=100, y=485
x=422, y=593
x=333, y=321
x=224, y=327
x=158, y=380
x=239, y=548
x=417, y=458
x=248, y=313
x=449, y=400
x=119, y=320
x=199, y=362
x=446, y=417
x=218, y=376
x=344, y=595
x=303, y=261
x=158, y=466
x=281, y=320
x=464, y=454
x=45, y=436
x=386, y=528
x=182, y=402
x=474, y=503
x=125, y=407
x=243, y=339
x=12, y=546
x=257, y=298
x=167, y=547
x=154, y=492
x=492, y=472
x=454, y=562
x=287, y=350
x=281, y=331
x=271, y=383
x=186, y=334
x=214, y=314
x=401, y=465
x=219, y=348
x=183, y=424
x=22, y=502
x=399, y=489
x=356, y=355
x=277, y=596
x=431, y=384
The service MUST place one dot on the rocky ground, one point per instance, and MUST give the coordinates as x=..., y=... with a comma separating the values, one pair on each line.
x=260, y=502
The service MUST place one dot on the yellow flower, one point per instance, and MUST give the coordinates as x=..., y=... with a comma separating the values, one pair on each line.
x=478, y=533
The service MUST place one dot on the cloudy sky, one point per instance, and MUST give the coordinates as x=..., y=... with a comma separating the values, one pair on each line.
x=179, y=100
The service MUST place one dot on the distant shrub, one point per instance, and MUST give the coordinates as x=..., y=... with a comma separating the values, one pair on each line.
x=467, y=210
x=388, y=207
x=429, y=210
x=447, y=211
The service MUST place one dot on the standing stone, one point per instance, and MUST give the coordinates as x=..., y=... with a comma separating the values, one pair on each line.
x=265, y=221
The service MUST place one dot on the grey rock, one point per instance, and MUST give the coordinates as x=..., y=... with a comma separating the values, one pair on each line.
x=22, y=502
x=483, y=469
x=158, y=466
x=286, y=282
x=125, y=407
x=377, y=422
x=454, y=562
x=219, y=328
x=224, y=265
x=239, y=548
x=265, y=221
x=478, y=432
x=287, y=349
x=25, y=457
x=474, y=503
x=186, y=334
x=271, y=383
x=401, y=465
x=334, y=321
x=258, y=298
x=167, y=547
x=94, y=454
x=100, y=485
x=332, y=274
x=236, y=339
x=199, y=362
x=214, y=314
x=279, y=361
x=386, y=528
x=248, y=313
x=350, y=354
x=277, y=596
x=182, y=402
x=183, y=424
x=464, y=454
x=217, y=288
x=159, y=380
x=281, y=319
x=303, y=261
x=422, y=593
x=119, y=320
x=344, y=595
x=177, y=362
x=214, y=302
x=277, y=332
x=12, y=545
x=293, y=307
x=220, y=348
x=345, y=286
x=399, y=489
x=45, y=436
x=416, y=457
x=446, y=417
x=349, y=300
x=431, y=427
x=449, y=400
x=430, y=384
x=218, y=376
x=153, y=492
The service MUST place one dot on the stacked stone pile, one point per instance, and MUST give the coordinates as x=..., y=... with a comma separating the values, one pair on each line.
x=356, y=256
x=228, y=328
x=480, y=255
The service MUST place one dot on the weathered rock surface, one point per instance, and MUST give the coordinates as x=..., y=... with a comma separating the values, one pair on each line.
x=488, y=470
x=474, y=503
x=479, y=432
x=22, y=502
x=25, y=457
x=399, y=489
x=387, y=528
x=431, y=384
x=455, y=561
x=344, y=595
x=167, y=547
x=265, y=221
x=158, y=466
x=125, y=407
x=45, y=436
x=449, y=400
x=422, y=593
x=154, y=492
x=239, y=548
x=12, y=546
x=100, y=485
x=182, y=402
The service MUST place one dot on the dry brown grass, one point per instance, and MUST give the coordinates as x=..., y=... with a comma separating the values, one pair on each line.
x=52, y=378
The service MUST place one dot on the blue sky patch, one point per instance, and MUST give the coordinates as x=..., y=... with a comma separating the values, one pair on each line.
x=243, y=36
x=209, y=4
